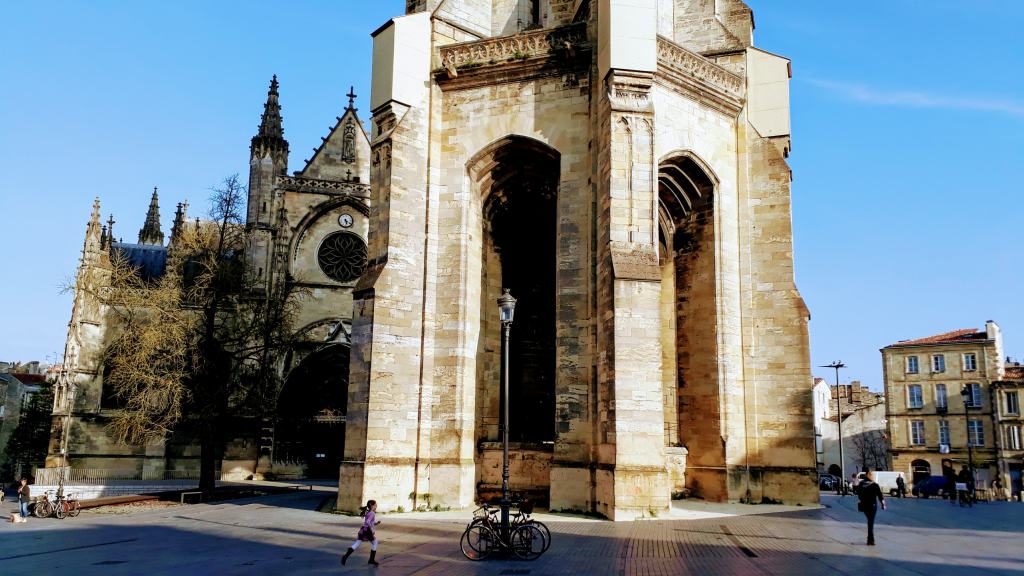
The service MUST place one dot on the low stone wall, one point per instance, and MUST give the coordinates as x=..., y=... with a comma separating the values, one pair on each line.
x=529, y=470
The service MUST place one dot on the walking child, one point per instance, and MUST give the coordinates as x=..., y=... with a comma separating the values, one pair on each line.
x=366, y=533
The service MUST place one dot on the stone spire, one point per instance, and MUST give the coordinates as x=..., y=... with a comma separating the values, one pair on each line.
x=270, y=138
x=179, y=222
x=110, y=229
x=93, y=230
x=151, y=233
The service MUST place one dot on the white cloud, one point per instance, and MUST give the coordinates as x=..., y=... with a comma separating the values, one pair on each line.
x=913, y=99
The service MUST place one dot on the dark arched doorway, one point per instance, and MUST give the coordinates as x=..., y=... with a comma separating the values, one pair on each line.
x=517, y=179
x=310, y=428
x=920, y=469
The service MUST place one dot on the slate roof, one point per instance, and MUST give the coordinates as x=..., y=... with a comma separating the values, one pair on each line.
x=149, y=259
x=964, y=335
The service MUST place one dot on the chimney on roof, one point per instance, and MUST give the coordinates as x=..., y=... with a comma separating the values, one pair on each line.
x=992, y=332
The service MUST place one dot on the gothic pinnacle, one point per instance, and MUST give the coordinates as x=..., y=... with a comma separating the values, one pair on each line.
x=150, y=232
x=270, y=136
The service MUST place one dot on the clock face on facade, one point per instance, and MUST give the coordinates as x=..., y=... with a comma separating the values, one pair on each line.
x=345, y=220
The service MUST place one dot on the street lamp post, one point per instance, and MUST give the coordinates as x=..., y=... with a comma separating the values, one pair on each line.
x=965, y=393
x=506, y=309
x=839, y=418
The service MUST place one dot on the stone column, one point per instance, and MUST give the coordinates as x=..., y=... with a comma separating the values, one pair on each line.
x=384, y=404
x=631, y=478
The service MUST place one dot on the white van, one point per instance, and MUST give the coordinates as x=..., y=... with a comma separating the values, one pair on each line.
x=886, y=480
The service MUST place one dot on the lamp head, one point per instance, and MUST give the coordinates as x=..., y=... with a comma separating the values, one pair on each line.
x=966, y=393
x=506, y=307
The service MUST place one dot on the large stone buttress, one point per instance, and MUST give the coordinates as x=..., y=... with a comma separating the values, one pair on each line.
x=635, y=151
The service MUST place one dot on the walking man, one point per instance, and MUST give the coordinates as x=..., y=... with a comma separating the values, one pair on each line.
x=901, y=487
x=869, y=496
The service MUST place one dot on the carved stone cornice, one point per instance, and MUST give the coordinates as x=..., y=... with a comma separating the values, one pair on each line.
x=315, y=186
x=629, y=91
x=544, y=52
x=700, y=77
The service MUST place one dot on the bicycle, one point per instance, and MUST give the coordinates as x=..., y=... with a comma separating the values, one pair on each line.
x=484, y=535
x=59, y=506
x=491, y=516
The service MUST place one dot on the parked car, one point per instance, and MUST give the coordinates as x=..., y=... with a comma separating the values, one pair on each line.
x=930, y=486
x=827, y=482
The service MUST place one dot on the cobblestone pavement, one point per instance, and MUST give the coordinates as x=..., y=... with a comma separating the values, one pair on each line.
x=282, y=535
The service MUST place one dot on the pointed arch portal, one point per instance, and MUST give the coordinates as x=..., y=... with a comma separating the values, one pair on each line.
x=309, y=430
x=688, y=257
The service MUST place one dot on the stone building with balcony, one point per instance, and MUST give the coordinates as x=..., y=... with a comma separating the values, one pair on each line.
x=930, y=421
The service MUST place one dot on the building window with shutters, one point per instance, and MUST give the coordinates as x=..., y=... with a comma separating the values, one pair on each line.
x=917, y=432
x=975, y=398
x=914, y=397
x=938, y=363
x=970, y=362
x=1012, y=403
x=941, y=397
x=944, y=432
x=911, y=364
x=976, y=433
x=1013, y=437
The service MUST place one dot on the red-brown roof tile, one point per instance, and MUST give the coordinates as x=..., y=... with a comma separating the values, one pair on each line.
x=1014, y=373
x=956, y=336
x=30, y=378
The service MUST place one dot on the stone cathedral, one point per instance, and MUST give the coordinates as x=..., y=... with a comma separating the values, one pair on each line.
x=620, y=167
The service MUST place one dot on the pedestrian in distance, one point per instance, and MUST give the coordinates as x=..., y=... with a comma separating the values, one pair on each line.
x=869, y=496
x=366, y=533
x=999, y=493
x=24, y=497
x=901, y=487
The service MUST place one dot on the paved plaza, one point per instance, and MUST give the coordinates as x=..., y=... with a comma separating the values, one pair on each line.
x=283, y=534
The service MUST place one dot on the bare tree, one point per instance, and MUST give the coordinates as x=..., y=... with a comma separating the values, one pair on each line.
x=197, y=345
x=870, y=449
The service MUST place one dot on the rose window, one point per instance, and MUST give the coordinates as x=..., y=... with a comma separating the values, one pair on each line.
x=342, y=256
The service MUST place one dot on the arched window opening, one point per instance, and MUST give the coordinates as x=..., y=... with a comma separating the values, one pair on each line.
x=518, y=179
x=689, y=307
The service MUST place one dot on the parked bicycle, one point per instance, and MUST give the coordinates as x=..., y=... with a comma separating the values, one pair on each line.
x=491, y=515
x=525, y=538
x=54, y=503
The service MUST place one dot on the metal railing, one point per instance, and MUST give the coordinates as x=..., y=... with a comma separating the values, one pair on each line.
x=71, y=475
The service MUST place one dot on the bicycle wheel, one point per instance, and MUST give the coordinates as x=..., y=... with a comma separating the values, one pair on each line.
x=477, y=542
x=43, y=509
x=61, y=509
x=528, y=542
x=75, y=508
x=544, y=530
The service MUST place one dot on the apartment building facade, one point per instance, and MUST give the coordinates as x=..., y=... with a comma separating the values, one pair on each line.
x=930, y=419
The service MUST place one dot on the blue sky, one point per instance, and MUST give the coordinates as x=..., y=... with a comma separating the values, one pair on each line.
x=908, y=117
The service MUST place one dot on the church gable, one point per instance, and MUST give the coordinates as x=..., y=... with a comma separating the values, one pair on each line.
x=344, y=154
